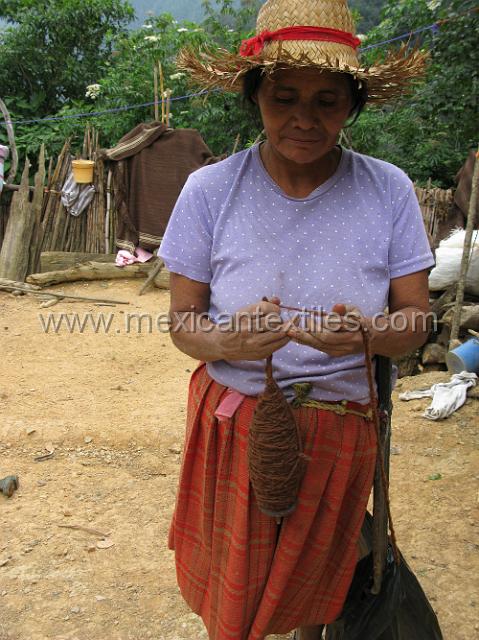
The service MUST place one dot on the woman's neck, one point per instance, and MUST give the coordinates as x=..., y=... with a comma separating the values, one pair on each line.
x=299, y=180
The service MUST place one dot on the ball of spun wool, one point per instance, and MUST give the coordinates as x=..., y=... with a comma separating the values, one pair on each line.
x=275, y=454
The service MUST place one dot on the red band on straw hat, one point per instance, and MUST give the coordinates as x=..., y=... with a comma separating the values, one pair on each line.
x=254, y=46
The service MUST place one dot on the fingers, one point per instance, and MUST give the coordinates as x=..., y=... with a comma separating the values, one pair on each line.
x=253, y=346
x=334, y=343
x=344, y=309
x=260, y=317
x=340, y=309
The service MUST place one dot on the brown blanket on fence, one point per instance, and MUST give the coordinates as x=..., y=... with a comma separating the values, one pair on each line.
x=151, y=166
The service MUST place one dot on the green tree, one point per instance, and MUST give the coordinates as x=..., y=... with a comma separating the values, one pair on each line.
x=52, y=49
x=369, y=11
x=429, y=133
x=127, y=79
x=219, y=117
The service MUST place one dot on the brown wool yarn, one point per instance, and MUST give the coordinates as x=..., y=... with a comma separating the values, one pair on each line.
x=276, y=459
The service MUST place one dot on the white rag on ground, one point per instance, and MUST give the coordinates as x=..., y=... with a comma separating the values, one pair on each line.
x=447, y=397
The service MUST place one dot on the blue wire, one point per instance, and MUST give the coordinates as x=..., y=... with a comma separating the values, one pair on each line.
x=100, y=113
x=432, y=27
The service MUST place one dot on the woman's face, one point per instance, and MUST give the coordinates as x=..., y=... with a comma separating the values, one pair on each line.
x=303, y=112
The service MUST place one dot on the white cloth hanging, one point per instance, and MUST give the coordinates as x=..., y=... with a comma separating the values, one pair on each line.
x=75, y=197
x=4, y=151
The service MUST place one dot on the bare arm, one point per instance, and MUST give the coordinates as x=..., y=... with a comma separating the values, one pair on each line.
x=408, y=325
x=193, y=332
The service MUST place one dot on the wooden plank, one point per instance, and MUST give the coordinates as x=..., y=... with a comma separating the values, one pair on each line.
x=58, y=260
x=100, y=271
x=37, y=206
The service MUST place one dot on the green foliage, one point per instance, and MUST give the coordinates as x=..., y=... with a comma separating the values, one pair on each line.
x=369, y=12
x=125, y=78
x=53, y=48
x=129, y=80
x=429, y=133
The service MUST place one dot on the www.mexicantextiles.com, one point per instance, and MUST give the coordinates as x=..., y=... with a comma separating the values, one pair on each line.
x=104, y=323
x=146, y=323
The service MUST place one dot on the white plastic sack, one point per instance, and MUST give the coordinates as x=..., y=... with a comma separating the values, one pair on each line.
x=448, y=263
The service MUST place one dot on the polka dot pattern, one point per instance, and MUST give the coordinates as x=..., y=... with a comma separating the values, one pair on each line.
x=234, y=228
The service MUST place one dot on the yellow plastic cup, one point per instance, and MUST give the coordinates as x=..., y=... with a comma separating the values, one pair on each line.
x=83, y=171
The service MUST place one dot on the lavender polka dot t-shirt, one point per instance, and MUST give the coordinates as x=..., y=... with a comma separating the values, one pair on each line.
x=234, y=228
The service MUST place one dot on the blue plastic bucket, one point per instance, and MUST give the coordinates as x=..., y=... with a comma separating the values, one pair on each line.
x=464, y=358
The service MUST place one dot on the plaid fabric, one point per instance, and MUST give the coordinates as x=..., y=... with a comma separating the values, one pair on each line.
x=238, y=570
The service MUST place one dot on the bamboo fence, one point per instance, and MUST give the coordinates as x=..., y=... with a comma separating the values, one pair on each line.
x=435, y=206
x=93, y=231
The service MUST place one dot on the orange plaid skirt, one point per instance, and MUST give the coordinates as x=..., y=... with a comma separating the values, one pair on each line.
x=236, y=568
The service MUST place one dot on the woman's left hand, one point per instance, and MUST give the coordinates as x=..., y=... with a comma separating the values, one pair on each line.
x=338, y=334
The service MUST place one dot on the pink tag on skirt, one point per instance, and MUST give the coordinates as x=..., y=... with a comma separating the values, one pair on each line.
x=229, y=405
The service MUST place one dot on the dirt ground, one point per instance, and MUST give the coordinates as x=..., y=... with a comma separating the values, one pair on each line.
x=110, y=407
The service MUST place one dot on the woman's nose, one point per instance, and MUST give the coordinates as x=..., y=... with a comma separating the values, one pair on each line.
x=305, y=115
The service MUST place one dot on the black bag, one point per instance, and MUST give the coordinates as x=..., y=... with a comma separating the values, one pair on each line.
x=401, y=611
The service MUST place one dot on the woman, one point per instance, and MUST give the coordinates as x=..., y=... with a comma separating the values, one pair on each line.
x=303, y=222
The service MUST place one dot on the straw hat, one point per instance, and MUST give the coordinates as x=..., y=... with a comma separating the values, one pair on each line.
x=300, y=33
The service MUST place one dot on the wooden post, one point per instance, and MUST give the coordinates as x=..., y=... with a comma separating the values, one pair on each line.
x=154, y=273
x=15, y=254
x=37, y=205
x=11, y=141
x=168, y=93
x=155, y=84
x=456, y=323
x=236, y=145
x=162, y=91
x=107, y=212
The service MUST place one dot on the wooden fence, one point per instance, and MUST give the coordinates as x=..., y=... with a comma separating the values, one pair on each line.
x=54, y=228
x=94, y=230
x=436, y=206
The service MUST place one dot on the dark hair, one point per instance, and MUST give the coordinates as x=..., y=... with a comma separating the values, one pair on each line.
x=359, y=91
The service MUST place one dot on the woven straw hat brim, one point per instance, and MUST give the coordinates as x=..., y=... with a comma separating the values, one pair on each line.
x=387, y=80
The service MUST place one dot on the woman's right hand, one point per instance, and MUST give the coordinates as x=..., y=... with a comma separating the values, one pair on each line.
x=255, y=332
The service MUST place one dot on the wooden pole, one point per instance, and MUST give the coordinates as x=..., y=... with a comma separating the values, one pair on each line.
x=22, y=287
x=168, y=106
x=107, y=212
x=15, y=187
x=162, y=91
x=156, y=270
x=456, y=323
x=155, y=83
x=11, y=141
x=14, y=254
x=37, y=205
x=236, y=145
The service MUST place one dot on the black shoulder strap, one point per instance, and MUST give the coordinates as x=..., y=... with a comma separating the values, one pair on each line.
x=380, y=515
